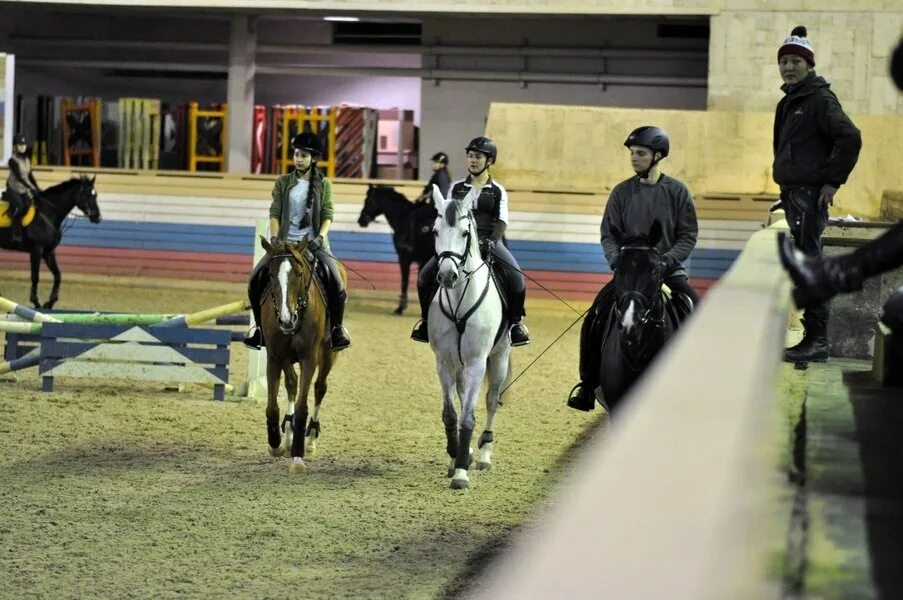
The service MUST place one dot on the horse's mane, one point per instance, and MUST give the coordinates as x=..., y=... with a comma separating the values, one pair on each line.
x=65, y=186
x=451, y=213
x=390, y=193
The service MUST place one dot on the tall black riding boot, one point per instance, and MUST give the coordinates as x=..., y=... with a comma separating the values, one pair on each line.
x=582, y=396
x=519, y=334
x=814, y=345
x=254, y=337
x=425, y=296
x=338, y=339
x=817, y=280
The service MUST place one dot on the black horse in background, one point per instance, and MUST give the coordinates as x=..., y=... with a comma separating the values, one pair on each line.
x=637, y=317
x=384, y=200
x=42, y=236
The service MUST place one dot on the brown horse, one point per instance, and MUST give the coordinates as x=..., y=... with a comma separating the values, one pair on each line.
x=294, y=331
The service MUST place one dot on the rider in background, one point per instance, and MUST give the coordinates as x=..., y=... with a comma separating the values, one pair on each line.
x=633, y=206
x=490, y=209
x=21, y=187
x=423, y=207
x=302, y=207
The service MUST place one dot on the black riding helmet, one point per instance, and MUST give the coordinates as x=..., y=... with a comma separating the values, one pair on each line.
x=484, y=145
x=19, y=139
x=441, y=157
x=650, y=137
x=309, y=142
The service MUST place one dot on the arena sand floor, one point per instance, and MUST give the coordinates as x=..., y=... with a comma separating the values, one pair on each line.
x=115, y=489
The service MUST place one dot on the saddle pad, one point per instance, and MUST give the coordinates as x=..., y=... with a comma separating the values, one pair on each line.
x=6, y=221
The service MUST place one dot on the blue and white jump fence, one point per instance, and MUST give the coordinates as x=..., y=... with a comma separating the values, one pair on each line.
x=124, y=346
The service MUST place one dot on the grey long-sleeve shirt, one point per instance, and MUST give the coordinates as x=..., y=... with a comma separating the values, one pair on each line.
x=633, y=206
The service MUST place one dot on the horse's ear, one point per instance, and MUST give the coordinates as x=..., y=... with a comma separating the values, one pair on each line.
x=655, y=232
x=369, y=187
x=437, y=196
x=92, y=179
x=266, y=244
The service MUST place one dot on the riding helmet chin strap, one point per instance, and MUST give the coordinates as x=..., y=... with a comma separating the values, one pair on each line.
x=645, y=174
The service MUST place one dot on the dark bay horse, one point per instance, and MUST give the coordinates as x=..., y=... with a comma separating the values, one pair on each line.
x=384, y=200
x=43, y=234
x=641, y=318
x=294, y=325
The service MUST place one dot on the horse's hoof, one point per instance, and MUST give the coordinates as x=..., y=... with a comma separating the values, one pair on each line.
x=483, y=466
x=460, y=481
x=310, y=448
x=297, y=465
x=277, y=451
x=398, y=311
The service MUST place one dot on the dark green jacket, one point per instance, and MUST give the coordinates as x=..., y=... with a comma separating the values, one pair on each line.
x=320, y=198
x=814, y=140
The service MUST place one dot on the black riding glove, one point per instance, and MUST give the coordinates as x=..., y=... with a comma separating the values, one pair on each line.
x=486, y=247
x=315, y=244
x=274, y=240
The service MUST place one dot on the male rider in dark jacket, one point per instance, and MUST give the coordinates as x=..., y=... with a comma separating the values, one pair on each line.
x=815, y=149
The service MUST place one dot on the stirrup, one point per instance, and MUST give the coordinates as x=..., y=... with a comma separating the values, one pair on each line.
x=254, y=338
x=522, y=338
x=338, y=339
x=580, y=401
x=420, y=332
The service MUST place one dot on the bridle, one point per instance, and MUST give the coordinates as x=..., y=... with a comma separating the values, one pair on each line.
x=301, y=304
x=460, y=259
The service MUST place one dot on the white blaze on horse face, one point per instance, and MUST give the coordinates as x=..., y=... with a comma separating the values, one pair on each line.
x=629, y=315
x=285, y=268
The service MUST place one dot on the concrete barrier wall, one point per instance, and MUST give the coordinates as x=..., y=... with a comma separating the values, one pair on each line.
x=670, y=500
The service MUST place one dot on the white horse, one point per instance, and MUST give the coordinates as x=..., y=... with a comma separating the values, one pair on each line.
x=467, y=334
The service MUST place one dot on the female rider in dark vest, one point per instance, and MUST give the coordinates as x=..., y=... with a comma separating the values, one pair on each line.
x=490, y=210
x=424, y=210
x=21, y=187
x=302, y=207
x=633, y=206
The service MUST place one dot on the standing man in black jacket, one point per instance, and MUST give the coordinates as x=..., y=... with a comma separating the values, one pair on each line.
x=815, y=149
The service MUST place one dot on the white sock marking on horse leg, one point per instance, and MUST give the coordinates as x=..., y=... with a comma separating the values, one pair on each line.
x=284, y=268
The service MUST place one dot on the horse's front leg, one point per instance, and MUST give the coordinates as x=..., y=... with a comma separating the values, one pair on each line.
x=498, y=373
x=447, y=379
x=405, y=266
x=473, y=377
x=50, y=260
x=308, y=365
x=35, y=277
x=291, y=390
x=313, y=427
x=274, y=376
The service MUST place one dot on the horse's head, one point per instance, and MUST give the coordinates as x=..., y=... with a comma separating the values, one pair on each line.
x=456, y=240
x=290, y=280
x=638, y=284
x=86, y=198
x=372, y=205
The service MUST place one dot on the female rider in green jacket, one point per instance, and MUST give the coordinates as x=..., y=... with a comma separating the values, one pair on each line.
x=302, y=207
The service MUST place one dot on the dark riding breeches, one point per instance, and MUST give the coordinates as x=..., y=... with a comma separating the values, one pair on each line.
x=503, y=263
x=807, y=221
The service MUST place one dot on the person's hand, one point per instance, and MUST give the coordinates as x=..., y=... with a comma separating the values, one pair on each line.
x=274, y=240
x=826, y=196
x=315, y=244
x=486, y=247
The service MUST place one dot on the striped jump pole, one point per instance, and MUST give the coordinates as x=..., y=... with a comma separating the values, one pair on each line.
x=32, y=359
x=206, y=315
x=21, y=327
x=25, y=312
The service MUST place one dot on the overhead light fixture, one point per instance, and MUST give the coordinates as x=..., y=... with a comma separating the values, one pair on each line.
x=343, y=19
